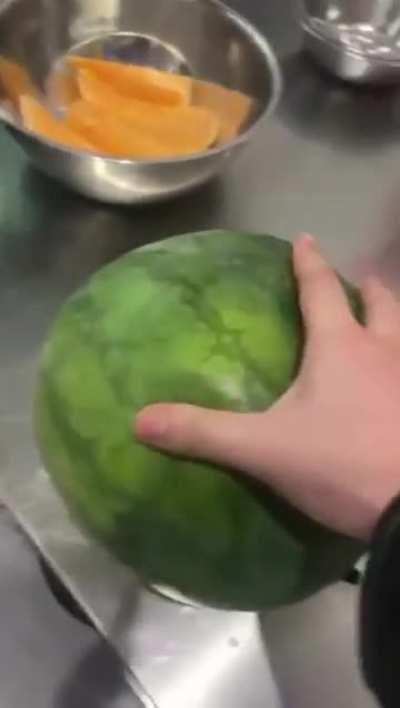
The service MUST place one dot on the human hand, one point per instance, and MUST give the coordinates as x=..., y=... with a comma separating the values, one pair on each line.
x=331, y=444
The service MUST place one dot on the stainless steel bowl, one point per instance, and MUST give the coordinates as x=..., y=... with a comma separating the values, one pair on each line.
x=357, y=40
x=203, y=38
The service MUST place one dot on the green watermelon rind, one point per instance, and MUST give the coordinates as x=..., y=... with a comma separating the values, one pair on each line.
x=161, y=323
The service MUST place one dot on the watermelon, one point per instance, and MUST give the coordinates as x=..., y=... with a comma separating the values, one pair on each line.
x=209, y=319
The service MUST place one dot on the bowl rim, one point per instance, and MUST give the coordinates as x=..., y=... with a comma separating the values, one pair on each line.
x=336, y=44
x=272, y=66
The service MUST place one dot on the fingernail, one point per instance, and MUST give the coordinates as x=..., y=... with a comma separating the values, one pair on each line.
x=306, y=239
x=150, y=425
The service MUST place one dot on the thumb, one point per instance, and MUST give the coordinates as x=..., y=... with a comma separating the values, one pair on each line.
x=223, y=437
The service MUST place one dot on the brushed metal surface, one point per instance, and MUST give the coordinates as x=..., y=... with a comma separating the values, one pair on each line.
x=205, y=39
x=328, y=161
x=82, y=671
x=191, y=657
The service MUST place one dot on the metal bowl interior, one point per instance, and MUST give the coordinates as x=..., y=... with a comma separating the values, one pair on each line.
x=357, y=40
x=368, y=28
x=354, y=12
x=204, y=39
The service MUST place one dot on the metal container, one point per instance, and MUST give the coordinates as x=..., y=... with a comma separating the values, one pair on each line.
x=357, y=40
x=205, y=39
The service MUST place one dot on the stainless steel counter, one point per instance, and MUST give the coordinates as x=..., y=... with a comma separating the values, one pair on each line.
x=327, y=162
x=48, y=658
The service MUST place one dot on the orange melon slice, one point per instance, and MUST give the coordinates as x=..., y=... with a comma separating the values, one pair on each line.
x=15, y=81
x=233, y=108
x=112, y=134
x=182, y=131
x=138, y=82
x=62, y=88
x=39, y=120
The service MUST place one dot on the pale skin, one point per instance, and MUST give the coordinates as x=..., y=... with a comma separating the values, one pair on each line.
x=331, y=444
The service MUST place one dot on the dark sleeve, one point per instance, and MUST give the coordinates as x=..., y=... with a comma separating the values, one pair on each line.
x=380, y=611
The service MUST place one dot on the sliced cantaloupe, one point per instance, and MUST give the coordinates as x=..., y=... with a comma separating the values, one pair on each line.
x=15, y=81
x=39, y=120
x=122, y=135
x=62, y=88
x=139, y=82
x=128, y=111
x=103, y=94
x=233, y=108
x=112, y=134
x=182, y=131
